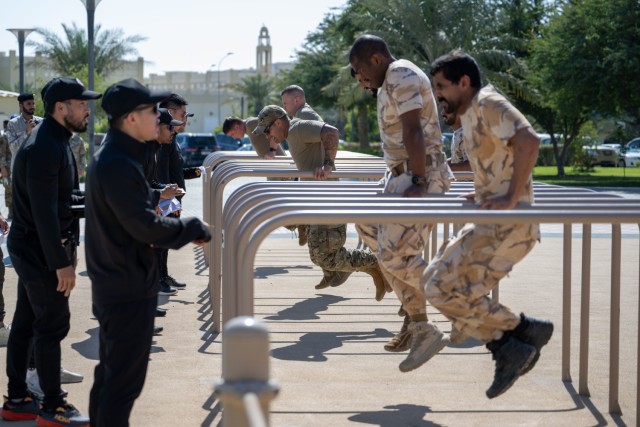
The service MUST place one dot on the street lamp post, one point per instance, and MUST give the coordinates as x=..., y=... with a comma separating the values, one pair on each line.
x=21, y=34
x=219, y=89
x=91, y=6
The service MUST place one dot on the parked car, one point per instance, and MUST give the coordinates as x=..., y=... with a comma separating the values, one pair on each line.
x=632, y=158
x=608, y=156
x=603, y=155
x=196, y=147
x=633, y=145
x=228, y=143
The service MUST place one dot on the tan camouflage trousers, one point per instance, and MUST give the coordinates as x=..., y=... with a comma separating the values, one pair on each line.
x=326, y=250
x=400, y=247
x=466, y=268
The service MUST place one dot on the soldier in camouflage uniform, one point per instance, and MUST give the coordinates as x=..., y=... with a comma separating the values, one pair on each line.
x=313, y=145
x=295, y=104
x=502, y=148
x=5, y=167
x=412, y=146
x=79, y=153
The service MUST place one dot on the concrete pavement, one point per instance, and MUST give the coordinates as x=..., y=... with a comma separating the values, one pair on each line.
x=327, y=346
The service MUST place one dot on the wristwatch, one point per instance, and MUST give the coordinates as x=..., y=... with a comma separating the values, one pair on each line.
x=418, y=180
x=329, y=162
x=273, y=150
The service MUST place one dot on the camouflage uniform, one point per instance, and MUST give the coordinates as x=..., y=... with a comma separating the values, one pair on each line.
x=459, y=278
x=399, y=247
x=79, y=153
x=5, y=161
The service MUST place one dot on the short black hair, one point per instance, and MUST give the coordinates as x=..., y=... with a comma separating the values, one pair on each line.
x=456, y=64
x=173, y=101
x=229, y=122
x=366, y=45
x=294, y=89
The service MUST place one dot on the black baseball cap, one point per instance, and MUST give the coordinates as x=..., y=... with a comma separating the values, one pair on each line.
x=165, y=117
x=126, y=95
x=65, y=88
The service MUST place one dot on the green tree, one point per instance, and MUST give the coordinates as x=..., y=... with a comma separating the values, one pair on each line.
x=585, y=63
x=259, y=91
x=70, y=55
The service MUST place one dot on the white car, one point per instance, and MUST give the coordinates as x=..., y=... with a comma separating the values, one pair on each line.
x=632, y=158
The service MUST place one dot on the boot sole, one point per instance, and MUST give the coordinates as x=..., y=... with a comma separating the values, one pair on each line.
x=524, y=369
x=427, y=355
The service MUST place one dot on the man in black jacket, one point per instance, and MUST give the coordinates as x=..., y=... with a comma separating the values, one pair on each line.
x=41, y=244
x=122, y=230
x=171, y=169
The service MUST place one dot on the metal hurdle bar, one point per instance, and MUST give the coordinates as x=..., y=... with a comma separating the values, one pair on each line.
x=257, y=227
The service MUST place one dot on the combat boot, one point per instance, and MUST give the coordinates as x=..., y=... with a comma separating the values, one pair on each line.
x=534, y=332
x=402, y=340
x=303, y=236
x=426, y=342
x=382, y=287
x=336, y=278
x=513, y=357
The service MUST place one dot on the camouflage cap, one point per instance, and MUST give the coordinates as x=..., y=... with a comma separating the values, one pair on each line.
x=267, y=116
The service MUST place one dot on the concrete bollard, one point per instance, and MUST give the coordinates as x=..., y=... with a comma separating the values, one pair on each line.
x=245, y=374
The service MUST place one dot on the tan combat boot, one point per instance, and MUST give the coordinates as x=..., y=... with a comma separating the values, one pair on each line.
x=336, y=278
x=382, y=286
x=402, y=340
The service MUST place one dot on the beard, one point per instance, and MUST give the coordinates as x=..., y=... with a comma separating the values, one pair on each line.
x=75, y=125
x=29, y=111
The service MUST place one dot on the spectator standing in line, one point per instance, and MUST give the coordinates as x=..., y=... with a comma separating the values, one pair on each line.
x=412, y=146
x=20, y=128
x=42, y=248
x=5, y=167
x=121, y=233
x=171, y=170
x=502, y=148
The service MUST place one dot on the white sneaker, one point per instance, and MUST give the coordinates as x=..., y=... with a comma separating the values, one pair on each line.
x=4, y=336
x=68, y=377
x=33, y=384
x=426, y=342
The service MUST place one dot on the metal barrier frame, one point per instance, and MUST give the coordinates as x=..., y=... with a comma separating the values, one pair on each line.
x=256, y=227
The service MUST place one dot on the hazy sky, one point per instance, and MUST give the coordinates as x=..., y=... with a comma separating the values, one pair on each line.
x=181, y=35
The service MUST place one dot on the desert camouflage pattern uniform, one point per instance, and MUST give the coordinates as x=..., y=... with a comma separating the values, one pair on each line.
x=5, y=160
x=399, y=247
x=79, y=153
x=466, y=268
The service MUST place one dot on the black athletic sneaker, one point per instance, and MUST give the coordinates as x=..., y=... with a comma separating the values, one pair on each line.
x=63, y=416
x=534, y=332
x=27, y=409
x=165, y=289
x=160, y=312
x=173, y=282
x=512, y=358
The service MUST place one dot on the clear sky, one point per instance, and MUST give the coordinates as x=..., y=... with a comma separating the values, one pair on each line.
x=182, y=35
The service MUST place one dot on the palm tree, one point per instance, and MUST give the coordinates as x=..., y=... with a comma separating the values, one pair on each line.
x=70, y=56
x=259, y=91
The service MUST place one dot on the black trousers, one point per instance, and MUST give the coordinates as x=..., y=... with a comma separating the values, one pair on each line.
x=42, y=314
x=126, y=331
x=163, y=255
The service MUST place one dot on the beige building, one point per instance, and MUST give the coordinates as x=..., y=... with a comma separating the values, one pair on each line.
x=202, y=92
x=38, y=71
